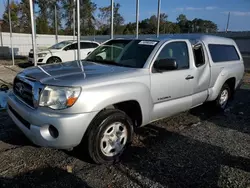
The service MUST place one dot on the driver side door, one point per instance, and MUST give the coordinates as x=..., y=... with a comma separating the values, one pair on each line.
x=172, y=90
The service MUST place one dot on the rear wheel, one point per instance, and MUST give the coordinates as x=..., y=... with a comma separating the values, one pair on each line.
x=53, y=60
x=110, y=133
x=223, y=97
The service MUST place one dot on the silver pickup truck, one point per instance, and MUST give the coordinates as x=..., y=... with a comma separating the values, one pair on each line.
x=96, y=103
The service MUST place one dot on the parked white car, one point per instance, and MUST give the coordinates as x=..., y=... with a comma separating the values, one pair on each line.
x=63, y=51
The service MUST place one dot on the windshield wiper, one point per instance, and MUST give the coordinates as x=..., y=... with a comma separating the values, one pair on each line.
x=103, y=61
x=109, y=63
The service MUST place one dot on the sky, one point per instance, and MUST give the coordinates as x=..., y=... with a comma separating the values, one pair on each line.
x=214, y=10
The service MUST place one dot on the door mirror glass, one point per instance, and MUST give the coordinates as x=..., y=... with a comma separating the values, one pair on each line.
x=166, y=64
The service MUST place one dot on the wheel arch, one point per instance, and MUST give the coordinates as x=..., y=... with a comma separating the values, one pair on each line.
x=214, y=92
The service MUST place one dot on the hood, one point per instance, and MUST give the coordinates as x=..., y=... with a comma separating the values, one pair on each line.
x=46, y=50
x=73, y=74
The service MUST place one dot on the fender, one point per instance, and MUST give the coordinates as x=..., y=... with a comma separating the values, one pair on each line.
x=225, y=74
x=98, y=98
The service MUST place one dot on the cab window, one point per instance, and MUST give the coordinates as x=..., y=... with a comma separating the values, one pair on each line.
x=177, y=51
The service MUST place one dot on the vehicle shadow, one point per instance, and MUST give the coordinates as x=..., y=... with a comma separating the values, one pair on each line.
x=173, y=160
x=46, y=177
x=25, y=65
x=236, y=116
x=9, y=133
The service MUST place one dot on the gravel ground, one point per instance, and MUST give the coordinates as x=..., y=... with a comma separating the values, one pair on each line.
x=199, y=148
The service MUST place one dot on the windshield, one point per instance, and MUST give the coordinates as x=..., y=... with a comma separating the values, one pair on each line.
x=128, y=53
x=60, y=45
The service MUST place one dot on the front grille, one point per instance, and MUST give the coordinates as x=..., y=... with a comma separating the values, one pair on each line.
x=24, y=91
x=23, y=121
x=31, y=55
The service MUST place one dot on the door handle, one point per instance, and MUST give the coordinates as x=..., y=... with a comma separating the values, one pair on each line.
x=189, y=77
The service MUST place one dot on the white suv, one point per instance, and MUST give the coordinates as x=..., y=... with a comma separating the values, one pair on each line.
x=63, y=51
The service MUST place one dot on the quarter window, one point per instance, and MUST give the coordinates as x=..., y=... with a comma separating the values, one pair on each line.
x=177, y=51
x=198, y=55
x=223, y=53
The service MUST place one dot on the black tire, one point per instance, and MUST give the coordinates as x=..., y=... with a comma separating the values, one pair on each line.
x=52, y=60
x=217, y=103
x=97, y=128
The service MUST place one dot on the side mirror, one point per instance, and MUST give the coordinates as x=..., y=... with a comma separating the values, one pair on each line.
x=165, y=65
x=88, y=53
x=65, y=49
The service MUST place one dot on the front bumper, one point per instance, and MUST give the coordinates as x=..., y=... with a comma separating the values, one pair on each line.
x=34, y=123
x=40, y=60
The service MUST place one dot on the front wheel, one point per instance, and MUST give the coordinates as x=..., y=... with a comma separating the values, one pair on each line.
x=53, y=60
x=110, y=133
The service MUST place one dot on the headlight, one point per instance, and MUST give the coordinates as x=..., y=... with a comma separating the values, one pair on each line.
x=42, y=55
x=59, y=97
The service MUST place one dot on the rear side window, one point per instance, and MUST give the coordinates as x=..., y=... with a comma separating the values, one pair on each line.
x=86, y=45
x=222, y=53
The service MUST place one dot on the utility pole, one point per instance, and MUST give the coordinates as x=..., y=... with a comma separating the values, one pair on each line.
x=78, y=30
x=74, y=20
x=56, y=27
x=112, y=20
x=33, y=31
x=11, y=43
x=1, y=34
x=228, y=19
x=158, y=18
x=137, y=18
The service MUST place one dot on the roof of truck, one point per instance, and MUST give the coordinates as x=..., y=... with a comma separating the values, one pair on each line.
x=200, y=37
x=209, y=39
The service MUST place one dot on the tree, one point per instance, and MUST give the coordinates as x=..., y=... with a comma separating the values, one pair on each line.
x=51, y=16
x=46, y=18
x=149, y=25
x=24, y=16
x=105, y=15
x=42, y=23
x=203, y=26
x=181, y=18
x=14, y=18
x=129, y=28
x=163, y=23
x=68, y=6
x=196, y=25
x=87, y=17
x=87, y=21
x=182, y=22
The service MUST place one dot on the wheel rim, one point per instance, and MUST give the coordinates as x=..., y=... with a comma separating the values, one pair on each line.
x=114, y=139
x=54, y=60
x=223, y=98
